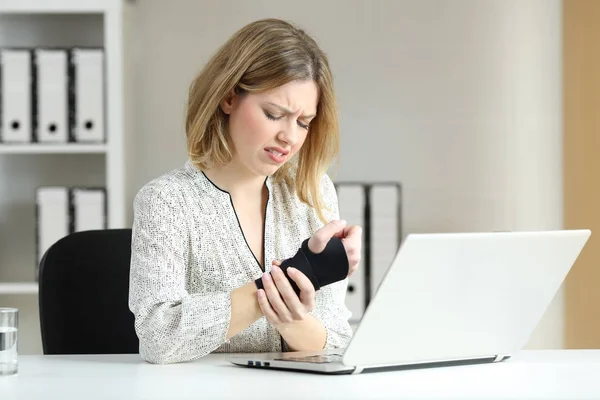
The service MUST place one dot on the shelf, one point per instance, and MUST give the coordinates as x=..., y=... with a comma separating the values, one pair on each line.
x=57, y=6
x=19, y=288
x=52, y=148
x=108, y=24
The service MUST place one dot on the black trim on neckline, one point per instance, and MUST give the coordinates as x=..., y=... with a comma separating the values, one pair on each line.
x=265, y=229
x=212, y=183
x=264, y=236
x=244, y=237
x=225, y=191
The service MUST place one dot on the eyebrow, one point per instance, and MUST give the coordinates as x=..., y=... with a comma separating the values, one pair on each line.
x=287, y=110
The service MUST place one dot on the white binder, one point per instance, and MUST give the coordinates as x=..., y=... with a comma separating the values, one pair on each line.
x=351, y=203
x=87, y=95
x=52, y=99
x=16, y=99
x=88, y=209
x=52, y=217
x=384, y=229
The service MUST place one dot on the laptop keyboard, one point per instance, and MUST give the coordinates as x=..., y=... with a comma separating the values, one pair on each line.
x=319, y=359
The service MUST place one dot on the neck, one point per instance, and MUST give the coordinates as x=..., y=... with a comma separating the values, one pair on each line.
x=235, y=179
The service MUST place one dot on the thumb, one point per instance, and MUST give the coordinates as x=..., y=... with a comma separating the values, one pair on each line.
x=321, y=237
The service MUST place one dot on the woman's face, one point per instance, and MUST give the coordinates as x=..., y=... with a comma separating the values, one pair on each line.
x=268, y=128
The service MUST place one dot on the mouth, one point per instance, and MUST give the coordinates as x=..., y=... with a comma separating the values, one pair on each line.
x=278, y=152
x=277, y=155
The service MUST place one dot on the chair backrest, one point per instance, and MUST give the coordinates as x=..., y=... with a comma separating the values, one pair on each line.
x=83, y=294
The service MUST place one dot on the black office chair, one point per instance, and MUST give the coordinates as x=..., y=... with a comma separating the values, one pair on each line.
x=83, y=294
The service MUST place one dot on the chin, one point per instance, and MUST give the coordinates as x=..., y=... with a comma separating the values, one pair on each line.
x=270, y=171
x=267, y=170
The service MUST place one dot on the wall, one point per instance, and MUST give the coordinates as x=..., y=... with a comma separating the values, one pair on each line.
x=458, y=100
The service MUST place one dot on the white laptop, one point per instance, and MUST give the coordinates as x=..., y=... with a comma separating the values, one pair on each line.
x=449, y=299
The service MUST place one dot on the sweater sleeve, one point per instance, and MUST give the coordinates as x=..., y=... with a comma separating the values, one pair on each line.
x=172, y=325
x=330, y=306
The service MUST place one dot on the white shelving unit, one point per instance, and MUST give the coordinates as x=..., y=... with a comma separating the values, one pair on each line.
x=45, y=149
x=23, y=167
x=18, y=288
x=58, y=6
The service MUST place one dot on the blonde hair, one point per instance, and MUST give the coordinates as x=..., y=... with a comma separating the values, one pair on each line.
x=261, y=56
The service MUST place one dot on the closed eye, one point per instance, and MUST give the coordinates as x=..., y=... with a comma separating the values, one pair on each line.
x=274, y=118
x=271, y=116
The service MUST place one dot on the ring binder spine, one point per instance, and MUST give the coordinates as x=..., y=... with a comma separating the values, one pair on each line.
x=34, y=95
x=367, y=227
x=63, y=225
x=367, y=242
x=72, y=106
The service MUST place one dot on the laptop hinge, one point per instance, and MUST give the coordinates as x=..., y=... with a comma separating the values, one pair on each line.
x=358, y=370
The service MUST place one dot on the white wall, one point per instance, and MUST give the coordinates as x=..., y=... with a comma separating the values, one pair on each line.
x=459, y=100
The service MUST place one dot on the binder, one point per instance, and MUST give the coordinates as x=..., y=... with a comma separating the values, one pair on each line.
x=87, y=209
x=351, y=204
x=384, y=201
x=86, y=95
x=51, y=85
x=16, y=96
x=52, y=208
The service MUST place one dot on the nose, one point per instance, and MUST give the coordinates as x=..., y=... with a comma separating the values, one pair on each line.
x=289, y=134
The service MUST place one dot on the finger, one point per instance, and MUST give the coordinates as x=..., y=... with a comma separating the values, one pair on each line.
x=353, y=231
x=287, y=293
x=307, y=290
x=353, y=250
x=277, y=262
x=321, y=237
x=266, y=308
x=341, y=234
x=352, y=269
x=275, y=298
x=353, y=239
x=349, y=230
x=354, y=258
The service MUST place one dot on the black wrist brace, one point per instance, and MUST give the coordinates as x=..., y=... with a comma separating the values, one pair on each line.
x=329, y=266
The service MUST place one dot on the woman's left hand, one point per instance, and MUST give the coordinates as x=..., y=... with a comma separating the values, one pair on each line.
x=278, y=301
x=351, y=237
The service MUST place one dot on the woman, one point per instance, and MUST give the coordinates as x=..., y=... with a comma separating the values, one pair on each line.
x=209, y=238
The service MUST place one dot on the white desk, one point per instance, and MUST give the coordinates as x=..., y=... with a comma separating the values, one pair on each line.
x=530, y=375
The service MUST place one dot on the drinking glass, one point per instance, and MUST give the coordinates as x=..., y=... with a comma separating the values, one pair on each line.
x=9, y=329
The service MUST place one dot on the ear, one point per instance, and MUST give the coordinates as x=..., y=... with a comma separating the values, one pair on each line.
x=228, y=102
